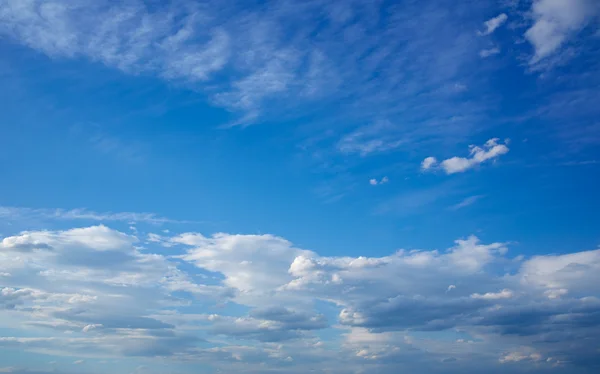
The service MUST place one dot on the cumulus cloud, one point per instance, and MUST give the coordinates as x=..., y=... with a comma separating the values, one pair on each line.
x=493, y=23
x=555, y=21
x=375, y=182
x=489, y=151
x=428, y=163
x=116, y=300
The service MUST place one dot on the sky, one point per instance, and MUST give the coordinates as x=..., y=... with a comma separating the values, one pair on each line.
x=280, y=186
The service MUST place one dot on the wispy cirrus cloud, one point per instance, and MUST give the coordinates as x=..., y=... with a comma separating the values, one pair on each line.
x=485, y=53
x=243, y=61
x=467, y=202
x=493, y=23
x=21, y=213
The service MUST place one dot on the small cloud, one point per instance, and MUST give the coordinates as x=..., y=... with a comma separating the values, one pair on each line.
x=91, y=327
x=85, y=215
x=556, y=293
x=466, y=202
x=492, y=24
x=485, y=53
x=428, y=163
x=375, y=182
x=489, y=151
x=459, y=87
x=504, y=294
x=556, y=21
x=450, y=288
x=78, y=362
x=580, y=163
x=520, y=356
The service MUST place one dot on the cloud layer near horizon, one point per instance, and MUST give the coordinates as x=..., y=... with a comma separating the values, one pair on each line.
x=116, y=298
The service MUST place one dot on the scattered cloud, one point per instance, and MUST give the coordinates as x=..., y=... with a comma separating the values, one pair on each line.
x=580, y=163
x=466, y=202
x=504, y=294
x=489, y=151
x=493, y=23
x=21, y=213
x=375, y=182
x=554, y=22
x=520, y=356
x=485, y=53
x=428, y=163
x=116, y=301
x=275, y=61
x=366, y=140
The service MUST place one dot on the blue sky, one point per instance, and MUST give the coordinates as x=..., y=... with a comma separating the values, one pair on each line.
x=283, y=186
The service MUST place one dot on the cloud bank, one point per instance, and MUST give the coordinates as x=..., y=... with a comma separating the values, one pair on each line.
x=116, y=298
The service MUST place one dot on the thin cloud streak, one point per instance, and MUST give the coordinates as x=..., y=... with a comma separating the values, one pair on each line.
x=21, y=213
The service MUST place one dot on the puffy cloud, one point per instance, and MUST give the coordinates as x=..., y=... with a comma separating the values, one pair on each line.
x=489, y=151
x=251, y=264
x=375, y=182
x=561, y=274
x=493, y=23
x=428, y=163
x=287, y=301
x=555, y=21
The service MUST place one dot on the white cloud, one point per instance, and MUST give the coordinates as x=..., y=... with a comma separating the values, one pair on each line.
x=375, y=182
x=20, y=213
x=428, y=163
x=504, y=294
x=520, y=356
x=241, y=59
x=117, y=300
x=370, y=139
x=493, y=23
x=485, y=53
x=490, y=150
x=556, y=293
x=562, y=273
x=251, y=264
x=468, y=201
x=555, y=21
